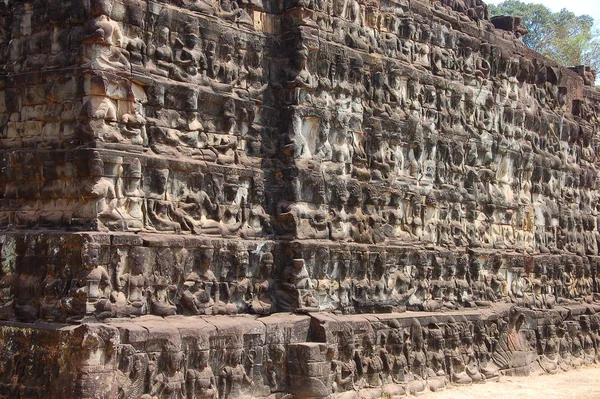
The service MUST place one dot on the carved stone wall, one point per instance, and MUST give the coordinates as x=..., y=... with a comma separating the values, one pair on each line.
x=316, y=356
x=344, y=159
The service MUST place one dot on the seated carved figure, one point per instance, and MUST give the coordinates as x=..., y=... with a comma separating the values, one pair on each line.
x=371, y=366
x=458, y=368
x=296, y=289
x=239, y=287
x=396, y=358
x=161, y=211
x=197, y=211
x=416, y=359
x=587, y=340
x=161, y=54
x=469, y=357
x=102, y=29
x=256, y=221
x=201, y=293
x=189, y=60
x=133, y=126
x=51, y=304
x=548, y=359
x=421, y=298
x=400, y=285
x=137, y=49
x=161, y=298
x=133, y=203
x=230, y=10
x=263, y=300
x=484, y=345
x=129, y=296
x=103, y=38
x=300, y=78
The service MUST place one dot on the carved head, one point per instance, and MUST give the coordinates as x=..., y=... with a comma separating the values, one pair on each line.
x=481, y=334
x=346, y=341
x=437, y=337
x=266, y=261
x=354, y=192
x=191, y=40
x=297, y=264
x=242, y=259
x=101, y=7
x=173, y=360
x=133, y=176
x=138, y=364
x=163, y=35
x=203, y=357
x=161, y=178
x=137, y=255
x=234, y=357
x=259, y=191
x=340, y=192
x=342, y=68
x=206, y=256
x=229, y=107
x=91, y=254
x=96, y=165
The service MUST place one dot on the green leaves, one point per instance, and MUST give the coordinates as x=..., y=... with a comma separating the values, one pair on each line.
x=563, y=36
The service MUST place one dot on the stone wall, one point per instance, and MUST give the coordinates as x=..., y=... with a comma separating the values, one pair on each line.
x=189, y=160
x=300, y=356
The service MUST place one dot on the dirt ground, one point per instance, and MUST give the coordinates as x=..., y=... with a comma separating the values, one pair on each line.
x=583, y=383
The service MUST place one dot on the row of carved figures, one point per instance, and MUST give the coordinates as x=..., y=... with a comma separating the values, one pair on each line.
x=401, y=359
x=163, y=375
x=247, y=282
x=182, y=56
x=120, y=203
x=188, y=59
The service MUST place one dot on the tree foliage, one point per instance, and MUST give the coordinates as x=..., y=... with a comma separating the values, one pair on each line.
x=562, y=36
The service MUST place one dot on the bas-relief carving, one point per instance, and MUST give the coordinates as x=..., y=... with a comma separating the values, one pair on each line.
x=235, y=279
x=383, y=162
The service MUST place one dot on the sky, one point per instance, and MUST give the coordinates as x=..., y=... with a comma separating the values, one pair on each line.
x=579, y=7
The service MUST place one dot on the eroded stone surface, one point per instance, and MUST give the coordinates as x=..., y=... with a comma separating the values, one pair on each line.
x=207, y=167
x=317, y=355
